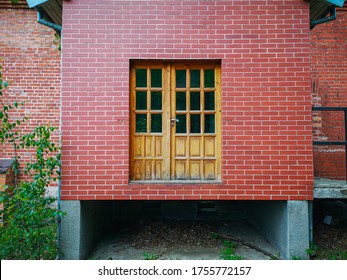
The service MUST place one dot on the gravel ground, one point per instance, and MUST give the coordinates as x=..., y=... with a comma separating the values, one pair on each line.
x=194, y=240
x=179, y=240
x=331, y=242
x=174, y=233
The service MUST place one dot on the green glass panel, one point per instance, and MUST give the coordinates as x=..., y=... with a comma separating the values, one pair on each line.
x=141, y=123
x=156, y=100
x=195, y=124
x=141, y=78
x=209, y=100
x=195, y=101
x=209, y=124
x=194, y=78
x=181, y=124
x=156, y=78
x=141, y=100
x=181, y=79
x=209, y=77
x=156, y=123
x=181, y=101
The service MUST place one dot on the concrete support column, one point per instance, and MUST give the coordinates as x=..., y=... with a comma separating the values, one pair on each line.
x=70, y=232
x=284, y=223
x=81, y=227
x=298, y=229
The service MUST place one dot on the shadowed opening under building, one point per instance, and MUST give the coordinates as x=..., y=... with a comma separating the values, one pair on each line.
x=183, y=229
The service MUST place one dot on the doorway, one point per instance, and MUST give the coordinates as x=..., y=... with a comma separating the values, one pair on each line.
x=175, y=121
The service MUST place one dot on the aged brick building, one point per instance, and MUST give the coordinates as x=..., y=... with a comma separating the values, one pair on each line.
x=329, y=89
x=30, y=62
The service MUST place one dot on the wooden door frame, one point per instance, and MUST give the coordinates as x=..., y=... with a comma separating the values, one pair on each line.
x=168, y=112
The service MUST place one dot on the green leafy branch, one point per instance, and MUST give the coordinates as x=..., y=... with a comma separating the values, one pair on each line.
x=30, y=219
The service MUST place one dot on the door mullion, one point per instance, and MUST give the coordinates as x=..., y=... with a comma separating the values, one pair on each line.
x=202, y=104
x=188, y=93
x=166, y=121
x=172, y=80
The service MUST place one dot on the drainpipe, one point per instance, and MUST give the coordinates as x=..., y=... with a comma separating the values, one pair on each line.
x=59, y=208
x=325, y=19
x=41, y=20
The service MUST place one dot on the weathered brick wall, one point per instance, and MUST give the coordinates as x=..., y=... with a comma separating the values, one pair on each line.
x=329, y=89
x=266, y=116
x=30, y=62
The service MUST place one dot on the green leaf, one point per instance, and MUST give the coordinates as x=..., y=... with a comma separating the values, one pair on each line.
x=31, y=222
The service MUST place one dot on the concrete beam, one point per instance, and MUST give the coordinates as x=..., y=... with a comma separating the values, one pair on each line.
x=330, y=189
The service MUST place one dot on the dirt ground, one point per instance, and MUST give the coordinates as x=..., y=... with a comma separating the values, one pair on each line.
x=184, y=240
x=331, y=242
x=330, y=236
x=196, y=240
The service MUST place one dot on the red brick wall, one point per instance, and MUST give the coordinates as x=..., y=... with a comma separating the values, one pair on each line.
x=329, y=80
x=266, y=116
x=31, y=64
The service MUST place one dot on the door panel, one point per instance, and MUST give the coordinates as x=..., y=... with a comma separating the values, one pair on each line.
x=181, y=169
x=195, y=170
x=196, y=109
x=195, y=147
x=149, y=122
x=174, y=121
x=181, y=147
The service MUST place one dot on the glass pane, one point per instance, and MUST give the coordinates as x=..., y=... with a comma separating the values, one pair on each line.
x=156, y=123
x=209, y=100
x=194, y=123
x=181, y=102
x=181, y=124
x=194, y=78
x=181, y=78
x=141, y=78
x=141, y=100
x=195, y=101
x=209, y=77
x=209, y=124
x=156, y=78
x=156, y=100
x=141, y=123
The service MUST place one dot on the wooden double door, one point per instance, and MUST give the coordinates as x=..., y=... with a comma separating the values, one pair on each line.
x=175, y=121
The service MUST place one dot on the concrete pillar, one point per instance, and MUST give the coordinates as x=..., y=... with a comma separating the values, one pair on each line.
x=298, y=229
x=70, y=232
x=81, y=227
x=284, y=223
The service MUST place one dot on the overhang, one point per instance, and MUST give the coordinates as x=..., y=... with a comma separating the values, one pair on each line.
x=49, y=12
x=322, y=11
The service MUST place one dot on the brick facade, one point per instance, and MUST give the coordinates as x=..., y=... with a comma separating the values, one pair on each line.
x=30, y=62
x=266, y=116
x=329, y=89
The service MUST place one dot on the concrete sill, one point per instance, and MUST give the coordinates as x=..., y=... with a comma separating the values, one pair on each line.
x=176, y=182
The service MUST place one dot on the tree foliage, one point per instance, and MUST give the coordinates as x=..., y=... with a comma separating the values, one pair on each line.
x=30, y=220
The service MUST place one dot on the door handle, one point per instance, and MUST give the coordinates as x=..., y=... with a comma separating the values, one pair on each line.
x=173, y=121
